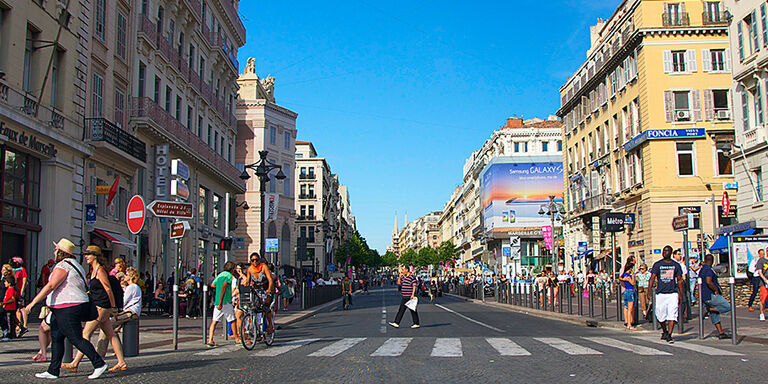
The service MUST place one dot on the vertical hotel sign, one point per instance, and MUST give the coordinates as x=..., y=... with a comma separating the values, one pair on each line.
x=162, y=169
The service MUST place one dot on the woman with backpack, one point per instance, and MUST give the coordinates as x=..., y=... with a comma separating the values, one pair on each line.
x=105, y=291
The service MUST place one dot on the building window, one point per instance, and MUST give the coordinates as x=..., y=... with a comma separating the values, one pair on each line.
x=718, y=59
x=545, y=146
x=751, y=22
x=681, y=101
x=287, y=140
x=764, y=23
x=745, y=110
x=20, y=187
x=189, y=118
x=311, y=212
x=168, y=98
x=758, y=96
x=303, y=211
x=160, y=17
x=157, y=90
x=310, y=234
x=178, y=108
x=122, y=27
x=311, y=172
x=97, y=95
x=685, y=159
x=311, y=191
x=678, y=61
x=119, y=107
x=559, y=145
x=216, y=211
x=759, y=183
x=740, y=34
x=720, y=100
x=202, y=205
x=29, y=58
x=55, y=78
x=200, y=127
x=287, y=181
x=724, y=163
x=99, y=18
x=272, y=135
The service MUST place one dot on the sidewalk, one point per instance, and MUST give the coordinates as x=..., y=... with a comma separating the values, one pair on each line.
x=155, y=336
x=749, y=327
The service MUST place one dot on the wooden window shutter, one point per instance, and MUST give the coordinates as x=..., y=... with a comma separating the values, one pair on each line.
x=727, y=59
x=696, y=98
x=709, y=105
x=669, y=106
x=706, y=60
x=667, y=61
x=690, y=60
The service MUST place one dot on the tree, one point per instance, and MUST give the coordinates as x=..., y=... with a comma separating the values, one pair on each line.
x=409, y=258
x=361, y=253
x=389, y=259
x=447, y=252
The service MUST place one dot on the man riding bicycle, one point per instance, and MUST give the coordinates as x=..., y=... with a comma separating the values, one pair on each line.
x=259, y=276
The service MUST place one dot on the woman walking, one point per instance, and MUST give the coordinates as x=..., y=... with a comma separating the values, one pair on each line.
x=131, y=308
x=628, y=278
x=100, y=291
x=68, y=301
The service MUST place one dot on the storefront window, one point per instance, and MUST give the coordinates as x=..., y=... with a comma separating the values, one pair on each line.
x=20, y=187
x=216, y=211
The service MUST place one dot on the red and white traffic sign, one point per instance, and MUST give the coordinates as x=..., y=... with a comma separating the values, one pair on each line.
x=173, y=209
x=135, y=214
x=726, y=203
x=178, y=229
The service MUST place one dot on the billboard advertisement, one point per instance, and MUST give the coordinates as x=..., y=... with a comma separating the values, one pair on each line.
x=513, y=192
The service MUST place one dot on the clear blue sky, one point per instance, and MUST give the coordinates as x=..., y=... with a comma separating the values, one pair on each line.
x=396, y=96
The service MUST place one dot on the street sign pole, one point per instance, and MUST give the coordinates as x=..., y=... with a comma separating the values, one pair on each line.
x=732, y=284
x=681, y=315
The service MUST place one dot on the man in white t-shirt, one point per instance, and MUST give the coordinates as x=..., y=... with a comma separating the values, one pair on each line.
x=678, y=257
x=320, y=281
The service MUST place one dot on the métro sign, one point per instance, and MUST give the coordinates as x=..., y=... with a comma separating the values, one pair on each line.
x=683, y=222
x=612, y=222
x=172, y=209
x=135, y=213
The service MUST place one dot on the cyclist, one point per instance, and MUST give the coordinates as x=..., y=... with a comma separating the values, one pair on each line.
x=346, y=291
x=260, y=277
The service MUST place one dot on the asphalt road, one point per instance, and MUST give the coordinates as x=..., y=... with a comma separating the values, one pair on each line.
x=458, y=342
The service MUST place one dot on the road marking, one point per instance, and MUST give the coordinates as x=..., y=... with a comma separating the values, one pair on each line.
x=634, y=348
x=338, y=347
x=567, y=346
x=691, y=347
x=220, y=350
x=393, y=347
x=469, y=319
x=447, y=347
x=507, y=347
x=279, y=349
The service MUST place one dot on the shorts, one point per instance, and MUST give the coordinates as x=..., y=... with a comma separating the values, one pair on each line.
x=666, y=306
x=629, y=297
x=763, y=293
x=226, y=310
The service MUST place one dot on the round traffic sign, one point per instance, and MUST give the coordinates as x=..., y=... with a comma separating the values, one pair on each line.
x=135, y=214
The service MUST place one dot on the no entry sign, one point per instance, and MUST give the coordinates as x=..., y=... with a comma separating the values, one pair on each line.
x=135, y=214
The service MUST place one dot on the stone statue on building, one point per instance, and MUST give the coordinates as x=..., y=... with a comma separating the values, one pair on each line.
x=250, y=66
x=268, y=83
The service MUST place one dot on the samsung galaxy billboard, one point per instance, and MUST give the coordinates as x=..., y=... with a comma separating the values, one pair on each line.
x=513, y=191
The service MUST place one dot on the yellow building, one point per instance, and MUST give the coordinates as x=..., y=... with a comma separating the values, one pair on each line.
x=643, y=117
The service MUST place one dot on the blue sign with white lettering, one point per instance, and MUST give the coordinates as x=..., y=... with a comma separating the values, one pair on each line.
x=506, y=251
x=582, y=246
x=661, y=134
x=90, y=214
x=734, y=185
x=657, y=251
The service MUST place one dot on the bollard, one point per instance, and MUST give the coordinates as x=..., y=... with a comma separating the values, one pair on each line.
x=653, y=315
x=552, y=298
x=732, y=283
x=131, y=338
x=619, y=311
x=701, y=314
x=591, y=291
x=175, y=317
x=604, y=304
x=570, y=301
x=67, y=352
x=560, y=298
x=680, y=314
x=205, y=314
x=580, y=293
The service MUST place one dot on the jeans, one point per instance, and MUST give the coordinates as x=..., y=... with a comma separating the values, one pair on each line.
x=720, y=304
x=67, y=324
x=755, y=289
x=8, y=323
x=692, y=284
x=401, y=312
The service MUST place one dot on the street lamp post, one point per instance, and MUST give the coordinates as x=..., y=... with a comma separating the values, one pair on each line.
x=262, y=167
x=554, y=210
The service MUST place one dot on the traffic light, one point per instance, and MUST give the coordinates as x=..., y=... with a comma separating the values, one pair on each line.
x=226, y=244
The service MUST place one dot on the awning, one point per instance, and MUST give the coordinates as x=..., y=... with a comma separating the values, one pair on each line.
x=115, y=238
x=721, y=244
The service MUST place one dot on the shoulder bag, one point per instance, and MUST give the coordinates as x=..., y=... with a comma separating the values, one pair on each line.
x=90, y=312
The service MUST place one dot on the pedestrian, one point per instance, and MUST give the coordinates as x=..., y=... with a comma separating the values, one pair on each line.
x=223, y=308
x=407, y=292
x=45, y=273
x=712, y=296
x=193, y=287
x=104, y=295
x=120, y=266
x=131, y=309
x=762, y=271
x=693, y=277
x=8, y=309
x=346, y=292
x=66, y=296
x=669, y=275
x=44, y=334
x=754, y=278
x=20, y=273
x=286, y=288
x=7, y=275
x=643, y=293
x=629, y=282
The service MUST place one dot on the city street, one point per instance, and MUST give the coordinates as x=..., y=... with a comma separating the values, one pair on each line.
x=457, y=341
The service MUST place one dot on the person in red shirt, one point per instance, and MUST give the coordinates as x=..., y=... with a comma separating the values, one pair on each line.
x=8, y=310
x=21, y=286
x=45, y=274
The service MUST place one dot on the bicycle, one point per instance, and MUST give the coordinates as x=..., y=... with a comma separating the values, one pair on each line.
x=253, y=328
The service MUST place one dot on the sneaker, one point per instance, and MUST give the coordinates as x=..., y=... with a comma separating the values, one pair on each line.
x=414, y=326
x=664, y=335
x=396, y=325
x=669, y=339
x=723, y=336
x=98, y=371
x=22, y=332
x=45, y=375
x=4, y=339
x=762, y=317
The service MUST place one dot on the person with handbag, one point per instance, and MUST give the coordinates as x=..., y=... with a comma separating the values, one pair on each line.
x=102, y=293
x=66, y=296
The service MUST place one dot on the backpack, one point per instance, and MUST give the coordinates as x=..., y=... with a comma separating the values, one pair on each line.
x=189, y=285
x=117, y=291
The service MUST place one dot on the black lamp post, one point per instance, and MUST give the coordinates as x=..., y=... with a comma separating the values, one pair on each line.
x=262, y=167
x=554, y=210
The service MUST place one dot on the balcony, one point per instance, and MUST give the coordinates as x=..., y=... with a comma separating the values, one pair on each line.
x=305, y=196
x=165, y=47
x=679, y=19
x=173, y=130
x=306, y=176
x=714, y=18
x=601, y=202
x=29, y=106
x=754, y=137
x=147, y=28
x=101, y=129
x=305, y=217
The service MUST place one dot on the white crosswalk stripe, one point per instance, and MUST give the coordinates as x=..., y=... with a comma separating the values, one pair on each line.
x=447, y=347
x=278, y=349
x=507, y=347
x=567, y=346
x=393, y=347
x=691, y=347
x=634, y=348
x=337, y=347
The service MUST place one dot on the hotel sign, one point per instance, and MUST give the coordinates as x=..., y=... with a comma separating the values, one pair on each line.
x=26, y=140
x=663, y=134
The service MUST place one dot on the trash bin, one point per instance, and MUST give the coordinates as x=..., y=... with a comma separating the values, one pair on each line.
x=131, y=338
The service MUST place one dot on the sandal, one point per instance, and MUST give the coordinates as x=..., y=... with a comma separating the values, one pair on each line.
x=211, y=344
x=37, y=356
x=69, y=367
x=118, y=368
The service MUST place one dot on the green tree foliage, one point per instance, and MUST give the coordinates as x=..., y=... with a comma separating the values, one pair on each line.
x=362, y=254
x=389, y=259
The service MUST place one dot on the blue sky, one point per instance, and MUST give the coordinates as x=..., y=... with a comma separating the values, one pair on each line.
x=396, y=96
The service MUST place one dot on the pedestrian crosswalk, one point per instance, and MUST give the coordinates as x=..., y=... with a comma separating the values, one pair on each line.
x=455, y=347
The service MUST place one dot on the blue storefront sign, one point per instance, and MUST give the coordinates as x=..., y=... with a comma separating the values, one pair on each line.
x=663, y=134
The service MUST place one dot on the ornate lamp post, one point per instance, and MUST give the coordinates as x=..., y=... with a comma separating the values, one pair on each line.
x=262, y=167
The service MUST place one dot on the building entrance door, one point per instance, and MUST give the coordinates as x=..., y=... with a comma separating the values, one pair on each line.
x=12, y=246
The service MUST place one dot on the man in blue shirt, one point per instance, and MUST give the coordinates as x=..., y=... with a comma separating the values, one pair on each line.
x=668, y=298
x=711, y=295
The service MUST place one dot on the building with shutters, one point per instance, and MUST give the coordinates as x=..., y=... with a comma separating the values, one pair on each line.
x=749, y=54
x=644, y=116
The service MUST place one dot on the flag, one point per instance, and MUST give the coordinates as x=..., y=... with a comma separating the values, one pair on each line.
x=113, y=190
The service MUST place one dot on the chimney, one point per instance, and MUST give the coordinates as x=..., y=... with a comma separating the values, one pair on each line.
x=514, y=122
